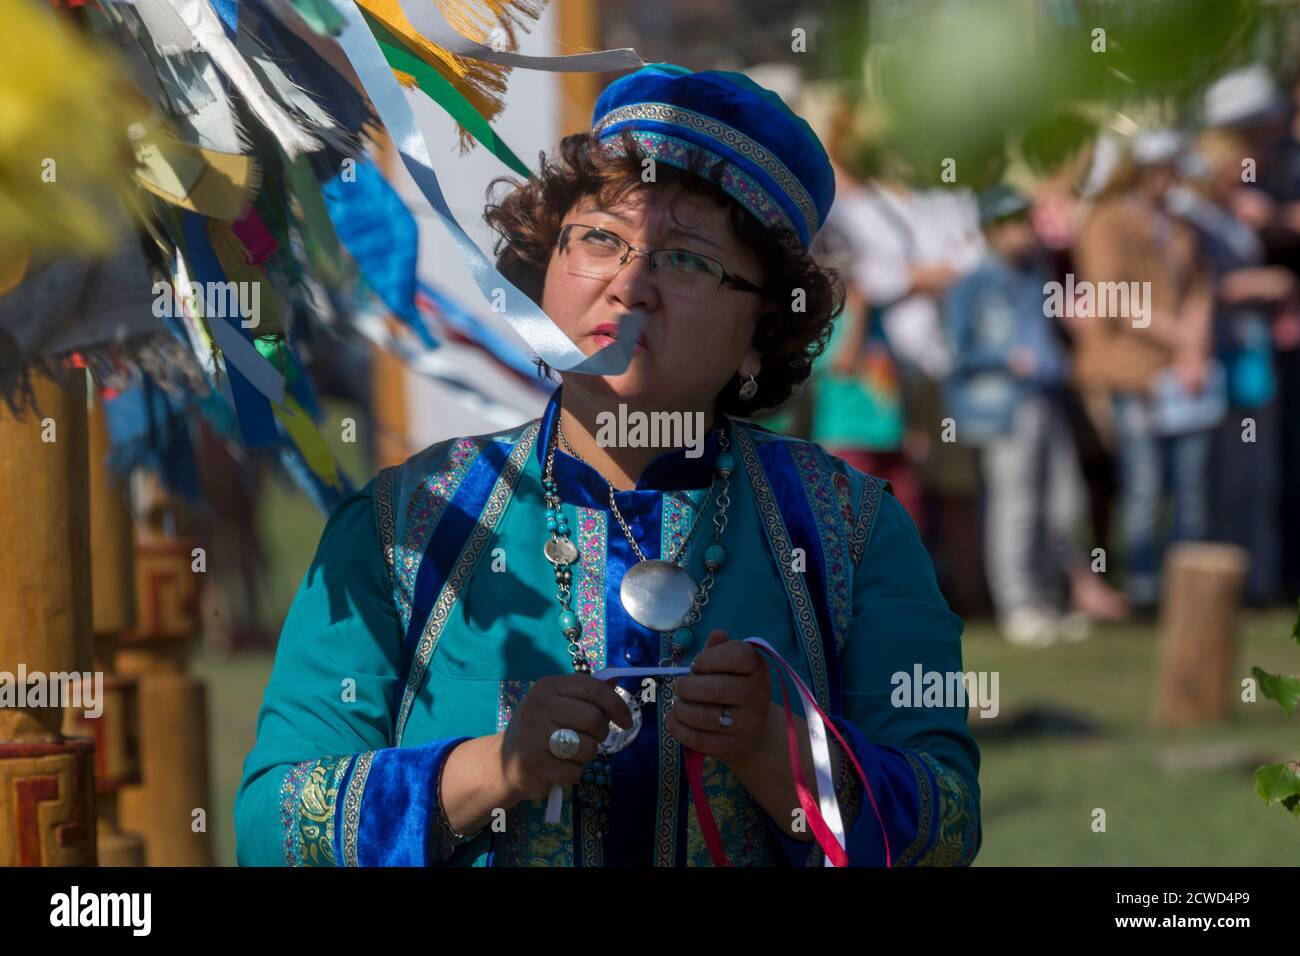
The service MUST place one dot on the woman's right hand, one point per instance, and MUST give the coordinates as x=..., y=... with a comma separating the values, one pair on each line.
x=577, y=702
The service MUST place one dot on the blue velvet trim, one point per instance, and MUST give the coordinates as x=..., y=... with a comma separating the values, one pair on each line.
x=897, y=798
x=399, y=803
x=449, y=538
x=800, y=522
x=634, y=791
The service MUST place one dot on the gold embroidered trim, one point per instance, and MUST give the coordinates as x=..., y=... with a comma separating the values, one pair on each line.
x=795, y=585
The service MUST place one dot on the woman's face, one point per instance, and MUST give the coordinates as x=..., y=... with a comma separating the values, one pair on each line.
x=690, y=347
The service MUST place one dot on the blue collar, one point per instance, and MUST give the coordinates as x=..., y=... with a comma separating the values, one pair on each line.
x=583, y=485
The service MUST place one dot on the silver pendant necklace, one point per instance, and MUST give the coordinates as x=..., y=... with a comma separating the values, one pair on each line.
x=661, y=594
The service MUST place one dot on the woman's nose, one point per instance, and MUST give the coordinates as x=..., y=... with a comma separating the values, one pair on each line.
x=634, y=286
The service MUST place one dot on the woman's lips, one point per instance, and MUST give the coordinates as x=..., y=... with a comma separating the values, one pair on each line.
x=606, y=333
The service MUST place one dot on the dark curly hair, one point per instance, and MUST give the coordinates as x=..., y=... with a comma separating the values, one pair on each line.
x=528, y=222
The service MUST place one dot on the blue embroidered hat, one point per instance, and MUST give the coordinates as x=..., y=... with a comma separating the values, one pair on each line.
x=776, y=166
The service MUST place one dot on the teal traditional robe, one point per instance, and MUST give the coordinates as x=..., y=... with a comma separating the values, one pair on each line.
x=430, y=610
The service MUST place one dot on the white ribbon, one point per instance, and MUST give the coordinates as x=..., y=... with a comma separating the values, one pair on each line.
x=425, y=16
x=522, y=314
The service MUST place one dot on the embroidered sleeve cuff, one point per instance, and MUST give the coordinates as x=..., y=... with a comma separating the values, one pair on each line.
x=376, y=808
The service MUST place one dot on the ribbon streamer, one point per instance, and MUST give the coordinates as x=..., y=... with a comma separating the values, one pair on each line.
x=824, y=816
x=208, y=29
x=428, y=20
x=522, y=314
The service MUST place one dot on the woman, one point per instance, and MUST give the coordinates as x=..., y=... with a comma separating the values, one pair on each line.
x=433, y=681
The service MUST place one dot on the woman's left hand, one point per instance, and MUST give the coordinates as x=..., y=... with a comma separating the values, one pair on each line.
x=728, y=675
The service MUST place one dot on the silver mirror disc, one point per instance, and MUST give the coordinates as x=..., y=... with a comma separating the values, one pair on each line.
x=619, y=738
x=657, y=594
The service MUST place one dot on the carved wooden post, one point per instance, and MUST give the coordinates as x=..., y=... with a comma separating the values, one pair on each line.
x=47, y=799
x=164, y=807
x=114, y=731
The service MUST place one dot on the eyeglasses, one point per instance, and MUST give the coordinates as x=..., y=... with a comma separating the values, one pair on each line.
x=600, y=254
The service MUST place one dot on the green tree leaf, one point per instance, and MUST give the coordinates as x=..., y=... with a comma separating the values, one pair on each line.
x=1280, y=783
x=1285, y=690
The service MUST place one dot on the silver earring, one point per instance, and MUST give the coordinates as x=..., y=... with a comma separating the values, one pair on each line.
x=748, y=390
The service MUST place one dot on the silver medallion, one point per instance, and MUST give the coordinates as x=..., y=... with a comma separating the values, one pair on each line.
x=560, y=551
x=657, y=594
x=619, y=738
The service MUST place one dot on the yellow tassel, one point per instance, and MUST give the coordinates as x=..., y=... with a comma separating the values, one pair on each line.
x=483, y=84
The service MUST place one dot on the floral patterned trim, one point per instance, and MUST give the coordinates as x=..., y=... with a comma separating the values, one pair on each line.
x=957, y=840
x=824, y=502
x=589, y=592
x=384, y=509
x=796, y=585
x=308, y=798
x=731, y=137
x=735, y=181
x=483, y=531
x=509, y=694
x=424, y=511
x=290, y=798
x=356, y=790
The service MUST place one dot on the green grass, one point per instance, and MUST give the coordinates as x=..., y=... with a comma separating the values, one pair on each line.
x=1039, y=793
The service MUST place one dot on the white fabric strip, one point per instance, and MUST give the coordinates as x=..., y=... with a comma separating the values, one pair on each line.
x=425, y=16
x=523, y=315
x=827, y=802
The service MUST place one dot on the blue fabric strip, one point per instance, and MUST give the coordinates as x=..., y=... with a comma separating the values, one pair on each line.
x=228, y=11
x=802, y=526
x=398, y=806
x=379, y=232
x=256, y=422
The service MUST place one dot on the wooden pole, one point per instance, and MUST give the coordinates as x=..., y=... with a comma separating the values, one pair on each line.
x=113, y=612
x=169, y=807
x=579, y=31
x=47, y=800
x=1203, y=585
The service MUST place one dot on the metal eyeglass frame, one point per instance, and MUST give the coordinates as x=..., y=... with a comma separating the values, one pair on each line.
x=738, y=283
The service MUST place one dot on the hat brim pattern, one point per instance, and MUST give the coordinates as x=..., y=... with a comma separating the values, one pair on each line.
x=706, y=133
x=734, y=181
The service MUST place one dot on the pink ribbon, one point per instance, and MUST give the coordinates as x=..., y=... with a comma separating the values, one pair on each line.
x=823, y=831
x=256, y=238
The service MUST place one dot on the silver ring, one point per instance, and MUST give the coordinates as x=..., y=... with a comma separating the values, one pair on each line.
x=564, y=743
x=725, y=720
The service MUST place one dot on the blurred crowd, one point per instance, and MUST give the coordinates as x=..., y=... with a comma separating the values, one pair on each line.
x=1062, y=378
